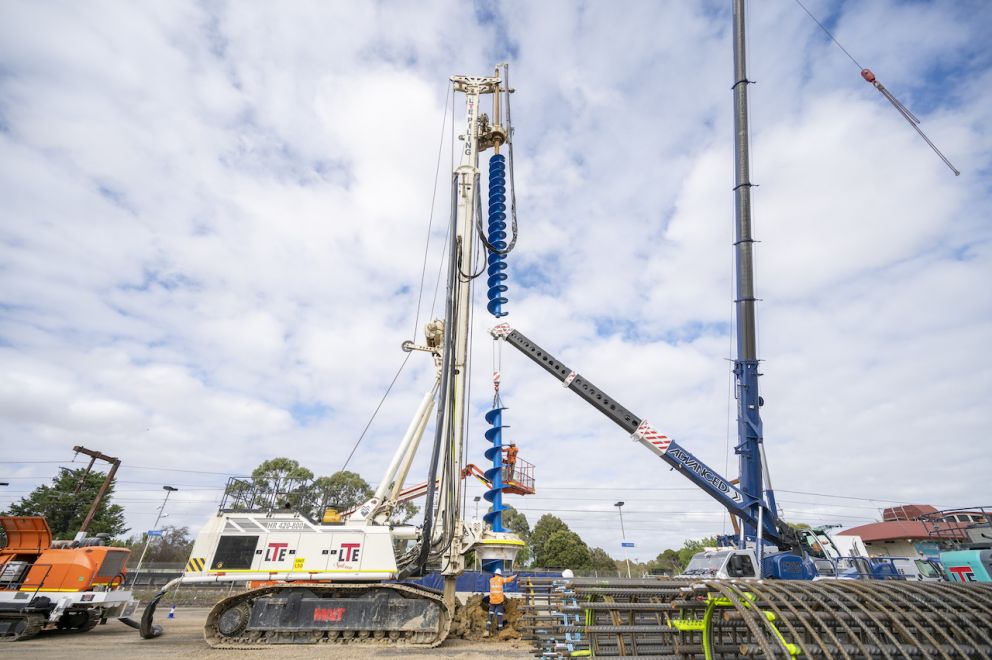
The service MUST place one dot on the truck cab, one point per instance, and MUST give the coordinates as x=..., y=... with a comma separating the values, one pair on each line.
x=722, y=563
x=919, y=570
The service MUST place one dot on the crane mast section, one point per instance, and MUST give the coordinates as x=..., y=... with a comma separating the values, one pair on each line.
x=677, y=456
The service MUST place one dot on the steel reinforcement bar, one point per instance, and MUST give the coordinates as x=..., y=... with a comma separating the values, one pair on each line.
x=677, y=618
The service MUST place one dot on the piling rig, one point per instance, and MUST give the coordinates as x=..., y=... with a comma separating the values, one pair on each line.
x=340, y=578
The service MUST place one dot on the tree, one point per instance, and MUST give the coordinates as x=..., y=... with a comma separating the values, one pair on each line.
x=564, y=549
x=64, y=509
x=284, y=483
x=346, y=490
x=600, y=560
x=666, y=563
x=174, y=546
x=343, y=490
x=280, y=474
x=278, y=483
x=545, y=527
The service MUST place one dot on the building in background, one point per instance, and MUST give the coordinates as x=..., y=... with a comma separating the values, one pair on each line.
x=920, y=530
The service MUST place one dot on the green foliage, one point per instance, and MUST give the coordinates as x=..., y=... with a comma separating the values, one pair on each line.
x=281, y=483
x=174, y=546
x=600, y=560
x=343, y=490
x=279, y=474
x=565, y=549
x=404, y=511
x=65, y=509
x=674, y=561
x=666, y=563
x=545, y=527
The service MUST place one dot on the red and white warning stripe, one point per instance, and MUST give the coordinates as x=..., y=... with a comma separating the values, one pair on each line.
x=569, y=378
x=500, y=331
x=496, y=379
x=647, y=433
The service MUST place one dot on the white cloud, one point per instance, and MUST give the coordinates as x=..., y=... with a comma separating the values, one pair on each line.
x=213, y=221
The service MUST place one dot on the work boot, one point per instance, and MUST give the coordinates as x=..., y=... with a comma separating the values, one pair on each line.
x=486, y=633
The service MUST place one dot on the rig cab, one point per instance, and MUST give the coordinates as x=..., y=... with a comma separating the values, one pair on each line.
x=70, y=586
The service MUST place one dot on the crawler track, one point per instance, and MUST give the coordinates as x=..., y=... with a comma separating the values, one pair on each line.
x=733, y=618
x=21, y=626
x=384, y=614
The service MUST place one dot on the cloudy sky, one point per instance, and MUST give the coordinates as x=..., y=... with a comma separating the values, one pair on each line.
x=213, y=220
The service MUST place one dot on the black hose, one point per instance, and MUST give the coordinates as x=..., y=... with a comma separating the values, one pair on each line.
x=443, y=394
x=148, y=629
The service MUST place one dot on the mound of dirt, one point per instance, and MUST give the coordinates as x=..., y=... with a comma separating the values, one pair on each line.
x=470, y=619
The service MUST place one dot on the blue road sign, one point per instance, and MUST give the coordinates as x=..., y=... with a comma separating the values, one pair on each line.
x=627, y=544
x=154, y=532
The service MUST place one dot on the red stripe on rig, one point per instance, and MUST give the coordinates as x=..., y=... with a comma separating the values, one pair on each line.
x=647, y=432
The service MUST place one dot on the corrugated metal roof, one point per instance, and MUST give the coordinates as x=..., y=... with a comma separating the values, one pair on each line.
x=894, y=530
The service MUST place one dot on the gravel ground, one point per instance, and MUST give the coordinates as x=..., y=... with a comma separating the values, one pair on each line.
x=184, y=637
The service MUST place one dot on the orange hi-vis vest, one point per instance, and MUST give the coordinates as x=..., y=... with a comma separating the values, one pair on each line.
x=496, y=583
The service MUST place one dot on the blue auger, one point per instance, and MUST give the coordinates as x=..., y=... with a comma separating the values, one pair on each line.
x=494, y=474
x=497, y=235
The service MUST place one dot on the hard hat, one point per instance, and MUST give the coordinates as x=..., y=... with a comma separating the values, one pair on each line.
x=499, y=571
x=567, y=573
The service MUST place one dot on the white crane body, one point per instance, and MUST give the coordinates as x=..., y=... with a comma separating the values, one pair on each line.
x=339, y=578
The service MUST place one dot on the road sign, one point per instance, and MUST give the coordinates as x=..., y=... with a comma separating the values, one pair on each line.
x=154, y=532
x=627, y=544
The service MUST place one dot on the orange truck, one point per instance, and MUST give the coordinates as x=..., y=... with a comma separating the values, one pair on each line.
x=68, y=585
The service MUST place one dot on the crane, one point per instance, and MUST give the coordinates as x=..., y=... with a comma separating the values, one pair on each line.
x=340, y=578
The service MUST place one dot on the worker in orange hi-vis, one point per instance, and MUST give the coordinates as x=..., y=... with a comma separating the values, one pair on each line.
x=511, y=460
x=497, y=600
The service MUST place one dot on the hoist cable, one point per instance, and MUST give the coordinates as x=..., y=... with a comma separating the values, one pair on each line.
x=447, y=233
x=376, y=411
x=869, y=77
x=829, y=34
x=430, y=218
x=509, y=145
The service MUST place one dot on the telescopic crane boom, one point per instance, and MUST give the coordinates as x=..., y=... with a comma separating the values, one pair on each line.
x=752, y=511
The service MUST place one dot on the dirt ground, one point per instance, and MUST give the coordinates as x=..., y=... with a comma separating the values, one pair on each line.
x=184, y=638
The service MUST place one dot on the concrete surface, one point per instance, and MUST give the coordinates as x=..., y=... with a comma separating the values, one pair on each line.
x=184, y=638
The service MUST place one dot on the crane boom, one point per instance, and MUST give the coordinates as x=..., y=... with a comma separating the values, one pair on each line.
x=680, y=458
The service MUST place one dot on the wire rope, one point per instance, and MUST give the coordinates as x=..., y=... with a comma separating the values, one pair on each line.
x=376, y=411
x=829, y=34
x=430, y=219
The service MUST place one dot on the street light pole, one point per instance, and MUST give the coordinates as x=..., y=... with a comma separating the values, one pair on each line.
x=169, y=490
x=623, y=535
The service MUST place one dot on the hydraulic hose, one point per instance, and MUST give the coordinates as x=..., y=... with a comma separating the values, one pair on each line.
x=444, y=393
x=147, y=628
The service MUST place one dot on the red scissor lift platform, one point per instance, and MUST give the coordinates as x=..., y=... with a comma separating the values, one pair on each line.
x=518, y=479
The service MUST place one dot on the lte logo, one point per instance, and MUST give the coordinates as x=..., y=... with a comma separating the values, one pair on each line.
x=349, y=552
x=276, y=552
x=963, y=573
